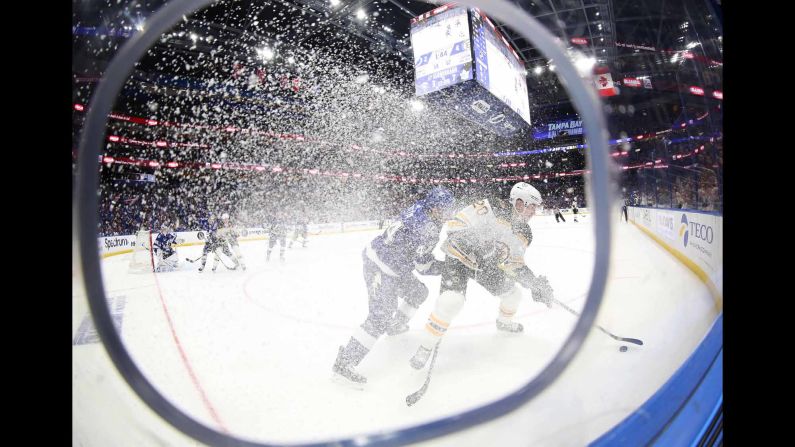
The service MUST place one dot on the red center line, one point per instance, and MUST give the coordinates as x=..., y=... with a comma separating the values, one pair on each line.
x=208, y=405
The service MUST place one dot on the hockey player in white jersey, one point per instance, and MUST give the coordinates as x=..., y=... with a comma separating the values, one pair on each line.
x=228, y=233
x=486, y=242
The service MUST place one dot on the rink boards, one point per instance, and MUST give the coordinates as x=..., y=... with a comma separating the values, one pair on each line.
x=693, y=237
x=116, y=245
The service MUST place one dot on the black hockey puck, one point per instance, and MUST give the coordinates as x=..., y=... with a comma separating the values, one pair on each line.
x=623, y=349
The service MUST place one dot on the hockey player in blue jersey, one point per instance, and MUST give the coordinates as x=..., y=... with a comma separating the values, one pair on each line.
x=389, y=260
x=164, y=250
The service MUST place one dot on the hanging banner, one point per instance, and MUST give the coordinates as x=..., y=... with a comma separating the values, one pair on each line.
x=632, y=82
x=558, y=129
x=604, y=83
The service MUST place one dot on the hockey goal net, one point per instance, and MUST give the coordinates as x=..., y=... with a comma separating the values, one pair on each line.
x=142, y=259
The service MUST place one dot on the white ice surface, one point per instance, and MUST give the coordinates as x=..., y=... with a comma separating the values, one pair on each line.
x=250, y=353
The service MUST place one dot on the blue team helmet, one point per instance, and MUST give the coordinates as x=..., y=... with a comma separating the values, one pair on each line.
x=439, y=197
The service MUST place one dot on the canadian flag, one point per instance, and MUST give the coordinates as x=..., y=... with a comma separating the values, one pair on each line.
x=604, y=83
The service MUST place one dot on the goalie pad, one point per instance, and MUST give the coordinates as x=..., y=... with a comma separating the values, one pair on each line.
x=166, y=261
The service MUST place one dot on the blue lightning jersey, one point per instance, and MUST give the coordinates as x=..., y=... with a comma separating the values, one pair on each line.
x=164, y=241
x=406, y=244
x=207, y=226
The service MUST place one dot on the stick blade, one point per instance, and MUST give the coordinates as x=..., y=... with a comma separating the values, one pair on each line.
x=632, y=340
x=413, y=398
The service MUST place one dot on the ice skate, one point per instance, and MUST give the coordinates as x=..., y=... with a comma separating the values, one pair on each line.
x=345, y=370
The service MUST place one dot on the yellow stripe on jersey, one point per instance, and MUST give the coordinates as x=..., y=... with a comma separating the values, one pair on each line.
x=463, y=218
x=460, y=256
x=439, y=321
x=433, y=331
x=457, y=223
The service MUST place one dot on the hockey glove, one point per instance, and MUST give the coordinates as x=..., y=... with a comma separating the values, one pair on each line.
x=432, y=268
x=541, y=290
x=467, y=249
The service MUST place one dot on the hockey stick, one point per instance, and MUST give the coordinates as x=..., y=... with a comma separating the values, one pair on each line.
x=194, y=260
x=628, y=340
x=412, y=398
x=224, y=263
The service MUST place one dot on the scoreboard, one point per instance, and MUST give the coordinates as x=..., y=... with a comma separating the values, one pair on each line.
x=442, y=51
x=462, y=62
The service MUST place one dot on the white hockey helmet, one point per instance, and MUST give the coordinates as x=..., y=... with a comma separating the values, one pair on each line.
x=526, y=192
x=225, y=216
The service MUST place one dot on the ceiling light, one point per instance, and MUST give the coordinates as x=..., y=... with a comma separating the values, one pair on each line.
x=538, y=70
x=265, y=53
x=360, y=14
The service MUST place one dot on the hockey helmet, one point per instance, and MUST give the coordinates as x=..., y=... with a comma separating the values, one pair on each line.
x=526, y=192
x=439, y=197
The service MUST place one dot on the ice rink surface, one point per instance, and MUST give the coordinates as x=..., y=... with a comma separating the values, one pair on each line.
x=250, y=352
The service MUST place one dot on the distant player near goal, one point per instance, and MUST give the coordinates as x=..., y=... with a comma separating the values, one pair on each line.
x=574, y=209
x=300, y=230
x=229, y=234
x=165, y=255
x=213, y=243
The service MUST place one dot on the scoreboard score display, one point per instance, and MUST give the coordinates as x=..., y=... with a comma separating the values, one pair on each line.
x=463, y=63
x=442, y=51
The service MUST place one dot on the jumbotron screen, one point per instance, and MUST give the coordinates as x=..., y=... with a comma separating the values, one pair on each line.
x=498, y=68
x=442, y=49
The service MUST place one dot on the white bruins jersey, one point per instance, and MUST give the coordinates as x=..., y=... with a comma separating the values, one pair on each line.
x=485, y=223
